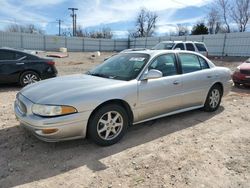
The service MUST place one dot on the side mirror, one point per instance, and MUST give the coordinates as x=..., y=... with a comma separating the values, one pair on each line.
x=152, y=74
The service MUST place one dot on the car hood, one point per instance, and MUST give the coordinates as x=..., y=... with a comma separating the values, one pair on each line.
x=58, y=90
x=245, y=66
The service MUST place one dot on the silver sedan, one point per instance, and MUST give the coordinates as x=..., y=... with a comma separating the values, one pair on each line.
x=128, y=88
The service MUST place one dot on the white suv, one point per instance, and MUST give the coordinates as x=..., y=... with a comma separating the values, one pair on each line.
x=199, y=47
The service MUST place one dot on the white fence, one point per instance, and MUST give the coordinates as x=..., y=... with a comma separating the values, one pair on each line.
x=230, y=44
x=53, y=43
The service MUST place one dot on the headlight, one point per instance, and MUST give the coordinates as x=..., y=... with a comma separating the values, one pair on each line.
x=51, y=110
x=237, y=69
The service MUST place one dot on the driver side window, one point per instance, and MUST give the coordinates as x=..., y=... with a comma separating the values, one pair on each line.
x=166, y=64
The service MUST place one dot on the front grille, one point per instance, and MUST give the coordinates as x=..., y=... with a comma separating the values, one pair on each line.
x=21, y=106
x=245, y=72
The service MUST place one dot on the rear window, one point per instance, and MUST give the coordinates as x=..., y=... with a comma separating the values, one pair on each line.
x=180, y=45
x=7, y=55
x=201, y=47
x=190, y=47
x=12, y=55
x=189, y=63
x=203, y=63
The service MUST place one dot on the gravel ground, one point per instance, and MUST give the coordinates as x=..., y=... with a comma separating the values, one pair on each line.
x=192, y=149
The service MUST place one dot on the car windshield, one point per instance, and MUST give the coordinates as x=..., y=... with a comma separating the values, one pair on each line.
x=164, y=46
x=248, y=60
x=124, y=66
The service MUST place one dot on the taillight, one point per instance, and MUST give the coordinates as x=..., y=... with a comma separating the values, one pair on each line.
x=51, y=63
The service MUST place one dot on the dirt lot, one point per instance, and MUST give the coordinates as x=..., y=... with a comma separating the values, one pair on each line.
x=193, y=149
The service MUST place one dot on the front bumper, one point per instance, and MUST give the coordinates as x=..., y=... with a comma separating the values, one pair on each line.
x=241, y=78
x=68, y=127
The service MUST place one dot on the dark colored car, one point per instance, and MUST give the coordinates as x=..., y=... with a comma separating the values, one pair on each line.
x=24, y=68
x=242, y=74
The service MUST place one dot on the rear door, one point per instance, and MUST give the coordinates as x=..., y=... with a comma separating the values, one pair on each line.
x=10, y=66
x=162, y=95
x=197, y=78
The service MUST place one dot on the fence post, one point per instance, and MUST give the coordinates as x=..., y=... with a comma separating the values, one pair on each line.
x=21, y=35
x=65, y=42
x=146, y=42
x=159, y=39
x=128, y=42
x=134, y=42
x=83, y=44
x=224, y=44
x=202, y=38
x=114, y=45
x=100, y=44
x=44, y=42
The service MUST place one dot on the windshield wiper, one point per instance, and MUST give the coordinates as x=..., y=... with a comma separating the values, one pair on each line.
x=98, y=74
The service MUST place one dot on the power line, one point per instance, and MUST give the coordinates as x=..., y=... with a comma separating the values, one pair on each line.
x=73, y=15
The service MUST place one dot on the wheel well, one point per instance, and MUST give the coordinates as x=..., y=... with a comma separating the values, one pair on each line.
x=120, y=102
x=219, y=85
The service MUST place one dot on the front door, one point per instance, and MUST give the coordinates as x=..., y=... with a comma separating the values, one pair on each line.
x=162, y=95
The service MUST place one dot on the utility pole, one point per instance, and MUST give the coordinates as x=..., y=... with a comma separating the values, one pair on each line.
x=73, y=15
x=59, y=27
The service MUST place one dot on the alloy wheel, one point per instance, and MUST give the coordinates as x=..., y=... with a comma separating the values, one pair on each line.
x=214, y=98
x=110, y=125
x=30, y=78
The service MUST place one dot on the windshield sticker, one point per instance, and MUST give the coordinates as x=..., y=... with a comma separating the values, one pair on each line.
x=137, y=59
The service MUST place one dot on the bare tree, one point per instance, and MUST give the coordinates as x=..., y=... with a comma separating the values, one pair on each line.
x=104, y=32
x=213, y=20
x=224, y=6
x=241, y=13
x=145, y=24
x=30, y=28
x=182, y=30
x=219, y=16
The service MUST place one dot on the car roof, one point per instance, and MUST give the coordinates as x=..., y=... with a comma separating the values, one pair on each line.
x=11, y=49
x=158, y=52
x=178, y=41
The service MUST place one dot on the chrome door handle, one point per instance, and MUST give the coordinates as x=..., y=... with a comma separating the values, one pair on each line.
x=19, y=63
x=176, y=82
x=209, y=76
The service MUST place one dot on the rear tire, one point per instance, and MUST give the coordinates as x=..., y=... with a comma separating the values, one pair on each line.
x=236, y=84
x=29, y=77
x=213, y=99
x=108, y=125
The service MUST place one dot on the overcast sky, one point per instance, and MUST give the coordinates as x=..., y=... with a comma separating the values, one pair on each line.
x=120, y=15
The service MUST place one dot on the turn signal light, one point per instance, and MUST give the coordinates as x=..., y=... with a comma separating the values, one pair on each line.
x=49, y=131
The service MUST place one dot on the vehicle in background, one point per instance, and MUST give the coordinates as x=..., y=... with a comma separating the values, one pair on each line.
x=128, y=88
x=242, y=74
x=24, y=68
x=198, y=47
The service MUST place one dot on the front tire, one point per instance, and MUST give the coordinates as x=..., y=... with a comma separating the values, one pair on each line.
x=213, y=99
x=108, y=125
x=236, y=84
x=29, y=77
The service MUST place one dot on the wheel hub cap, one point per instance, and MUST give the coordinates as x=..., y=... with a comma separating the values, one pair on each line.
x=110, y=125
x=214, y=98
x=30, y=78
